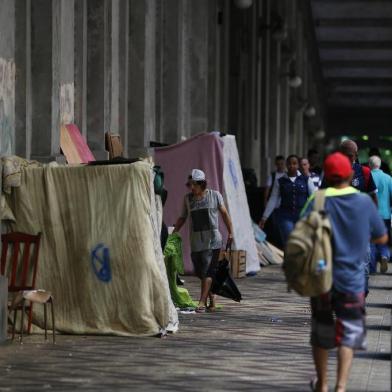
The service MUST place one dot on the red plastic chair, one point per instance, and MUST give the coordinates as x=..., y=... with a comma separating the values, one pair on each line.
x=19, y=261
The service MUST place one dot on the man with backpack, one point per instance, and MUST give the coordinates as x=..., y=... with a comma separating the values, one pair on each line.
x=363, y=181
x=338, y=316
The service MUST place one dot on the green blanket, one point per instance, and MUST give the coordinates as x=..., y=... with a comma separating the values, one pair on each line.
x=174, y=264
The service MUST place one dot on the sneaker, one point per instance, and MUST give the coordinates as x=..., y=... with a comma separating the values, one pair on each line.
x=384, y=265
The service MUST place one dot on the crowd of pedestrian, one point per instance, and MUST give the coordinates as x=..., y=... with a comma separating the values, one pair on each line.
x=358, y=200
x=358, y=205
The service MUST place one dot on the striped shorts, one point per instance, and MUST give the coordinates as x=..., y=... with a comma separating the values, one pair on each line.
x=338, y=319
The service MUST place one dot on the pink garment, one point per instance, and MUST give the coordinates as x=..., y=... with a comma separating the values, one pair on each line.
x=204, y=152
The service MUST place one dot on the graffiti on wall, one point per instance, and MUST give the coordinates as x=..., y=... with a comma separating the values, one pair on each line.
x=100, y=261
x=7, y=106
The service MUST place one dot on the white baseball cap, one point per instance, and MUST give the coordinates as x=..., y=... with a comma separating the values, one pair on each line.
x=198, y=175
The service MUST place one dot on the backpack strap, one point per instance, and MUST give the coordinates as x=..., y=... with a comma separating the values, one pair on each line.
x=319, y=200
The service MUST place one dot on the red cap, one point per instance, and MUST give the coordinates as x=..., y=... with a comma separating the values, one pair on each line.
x=337, y=166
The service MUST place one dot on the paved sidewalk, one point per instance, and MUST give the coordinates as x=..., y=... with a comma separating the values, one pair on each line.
x=258, y=345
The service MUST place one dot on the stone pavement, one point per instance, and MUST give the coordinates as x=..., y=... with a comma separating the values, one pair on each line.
x=258, y=345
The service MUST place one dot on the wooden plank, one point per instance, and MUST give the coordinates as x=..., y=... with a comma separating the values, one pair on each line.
x=84, y=151
x=68, y=147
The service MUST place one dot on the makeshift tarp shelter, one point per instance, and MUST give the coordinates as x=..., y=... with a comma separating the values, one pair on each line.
x=100, y=251
x=218, y=158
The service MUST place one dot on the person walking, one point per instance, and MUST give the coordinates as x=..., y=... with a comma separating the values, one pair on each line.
x=338, y=317
x=384, y=195
x=362, y=180
x=289, y=194
x=384, y=166
x=203, y=206
x=306, y=171
x=280, y=166
x=362, y=177
x=272, y=228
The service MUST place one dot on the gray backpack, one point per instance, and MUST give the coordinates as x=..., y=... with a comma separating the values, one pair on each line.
x=307, y=261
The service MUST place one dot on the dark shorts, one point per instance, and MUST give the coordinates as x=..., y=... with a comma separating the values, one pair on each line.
x=205, y=263
x=338, y=319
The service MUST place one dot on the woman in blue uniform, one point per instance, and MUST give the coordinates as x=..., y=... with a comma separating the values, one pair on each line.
x=288, y=196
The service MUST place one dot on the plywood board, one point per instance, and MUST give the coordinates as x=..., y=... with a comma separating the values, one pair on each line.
x=74, y=146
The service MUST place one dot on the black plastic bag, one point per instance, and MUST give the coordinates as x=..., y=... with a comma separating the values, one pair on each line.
x=223, y=284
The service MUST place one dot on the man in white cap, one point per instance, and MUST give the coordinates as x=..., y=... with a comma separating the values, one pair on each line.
x=202, y=206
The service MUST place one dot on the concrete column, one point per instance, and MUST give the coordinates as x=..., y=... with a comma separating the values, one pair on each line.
x=183, y=82
x=265, y=108
x=169, y=72
x=23, y=77
x=275, y=146
x=198, y=66
x=215, y=20
x=123, y=20
x=285, y=112
x=225, y=90
x=98, y=75
x=42, y=78
x=7, y=77
x=52, y=74
x=141, y=78
x=62, y=69
x=80, y=109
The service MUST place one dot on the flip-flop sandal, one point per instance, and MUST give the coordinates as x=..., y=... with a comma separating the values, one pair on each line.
x=313, y=384
x=200, y=309
x=211, y=309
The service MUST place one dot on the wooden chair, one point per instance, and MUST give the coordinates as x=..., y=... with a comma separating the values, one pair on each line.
x=19, y=262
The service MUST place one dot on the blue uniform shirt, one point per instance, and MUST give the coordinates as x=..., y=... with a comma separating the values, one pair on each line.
x=354, y=219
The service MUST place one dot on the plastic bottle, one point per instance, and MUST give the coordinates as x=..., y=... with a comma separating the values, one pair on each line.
x=321, y=266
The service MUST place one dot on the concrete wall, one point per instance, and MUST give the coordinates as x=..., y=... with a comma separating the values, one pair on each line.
x=155, y=70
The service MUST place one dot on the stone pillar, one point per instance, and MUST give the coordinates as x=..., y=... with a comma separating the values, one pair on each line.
x=141, y=77
x=7, y=77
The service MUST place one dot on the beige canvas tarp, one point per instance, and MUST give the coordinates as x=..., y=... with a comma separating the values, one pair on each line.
x=100, y=253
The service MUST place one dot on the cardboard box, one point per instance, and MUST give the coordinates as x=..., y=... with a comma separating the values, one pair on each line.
x=237, y=260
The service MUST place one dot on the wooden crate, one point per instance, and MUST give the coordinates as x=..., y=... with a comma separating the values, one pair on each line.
x=237, y=260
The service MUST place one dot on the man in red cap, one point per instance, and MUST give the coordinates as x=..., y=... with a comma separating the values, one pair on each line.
x=338, y=317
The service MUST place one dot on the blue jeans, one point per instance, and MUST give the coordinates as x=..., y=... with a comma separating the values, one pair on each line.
x=378, y=251
x=286, y=225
